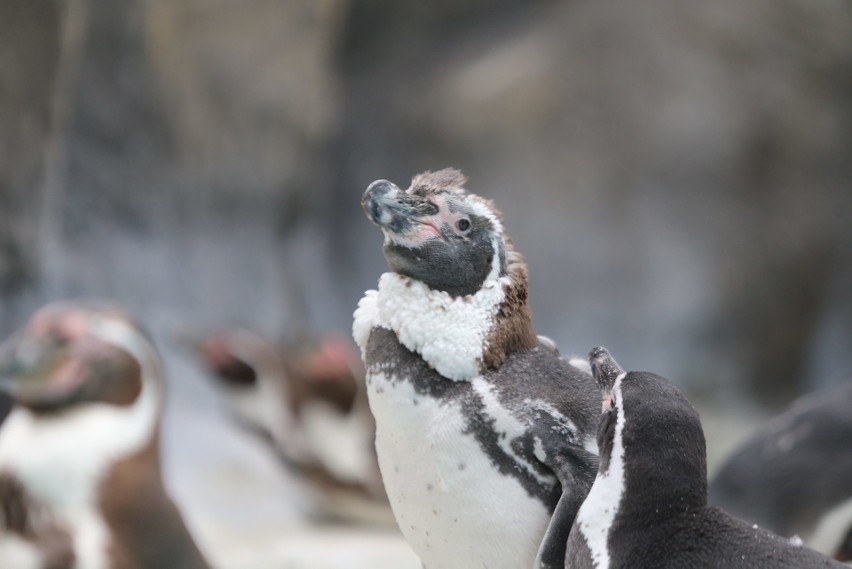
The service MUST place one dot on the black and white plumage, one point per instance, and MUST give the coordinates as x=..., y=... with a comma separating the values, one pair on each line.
x=308, y=402
x=794, y=475
x=648, y=505
x=80, y=479
x=485, y=435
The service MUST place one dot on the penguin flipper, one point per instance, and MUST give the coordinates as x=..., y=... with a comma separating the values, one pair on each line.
x=576, y=468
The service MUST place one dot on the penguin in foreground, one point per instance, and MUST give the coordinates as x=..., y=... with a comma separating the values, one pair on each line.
x=794, y=475
x=80, y=479
x=485, y=435
x=648, y=505
x=308, y=403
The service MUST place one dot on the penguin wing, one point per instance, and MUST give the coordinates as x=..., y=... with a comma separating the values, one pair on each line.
x=575, y=468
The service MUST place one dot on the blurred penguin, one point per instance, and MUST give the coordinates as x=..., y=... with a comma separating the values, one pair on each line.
x=794, y=475
x=80, y=476
x=308, y=402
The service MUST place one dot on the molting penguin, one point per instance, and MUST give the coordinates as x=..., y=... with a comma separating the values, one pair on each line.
x=485, y=435
x=309, y=403
x=794, y=475
x=80, y=480
x=648, y=505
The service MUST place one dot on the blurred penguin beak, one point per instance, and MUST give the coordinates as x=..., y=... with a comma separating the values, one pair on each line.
x=32, y=368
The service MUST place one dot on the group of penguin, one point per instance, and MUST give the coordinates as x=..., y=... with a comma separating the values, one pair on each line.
x=495, y=451
x=487, y=447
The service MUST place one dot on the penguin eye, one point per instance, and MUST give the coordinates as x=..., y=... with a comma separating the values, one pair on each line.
x=463, y=224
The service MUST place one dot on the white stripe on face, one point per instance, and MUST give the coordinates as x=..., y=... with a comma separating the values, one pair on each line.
x=598, y=512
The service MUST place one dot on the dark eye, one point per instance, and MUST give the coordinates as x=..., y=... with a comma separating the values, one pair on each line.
x=463, y=224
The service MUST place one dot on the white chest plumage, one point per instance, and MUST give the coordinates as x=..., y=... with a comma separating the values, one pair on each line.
x=450, y=334
x=454, y=506
x=451, y=503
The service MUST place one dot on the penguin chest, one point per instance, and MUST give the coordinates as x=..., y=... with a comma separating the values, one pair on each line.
x=58, y=486
x=456, y=507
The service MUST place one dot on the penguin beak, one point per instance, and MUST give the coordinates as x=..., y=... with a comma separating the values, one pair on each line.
x=399, y=213
x=605, y=370
x=37, y=367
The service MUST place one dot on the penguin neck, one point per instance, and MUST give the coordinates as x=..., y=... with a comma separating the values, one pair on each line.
x=513, y=330
x=76, y=445
x=459, y=337
x=605, y=500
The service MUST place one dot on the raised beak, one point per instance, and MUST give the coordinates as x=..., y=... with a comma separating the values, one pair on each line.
x=605, y=370
x=395, y=210
x=28, y=365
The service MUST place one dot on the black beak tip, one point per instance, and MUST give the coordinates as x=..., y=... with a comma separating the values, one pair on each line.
x=597, y=353
x=377, y=199
x=604, y=367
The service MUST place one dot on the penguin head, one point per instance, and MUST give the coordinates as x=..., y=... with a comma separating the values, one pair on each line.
x=606, y=371
x=650, y=422
x=250, y=366
x=232, y=356
x=71, y=353
x=438, y=233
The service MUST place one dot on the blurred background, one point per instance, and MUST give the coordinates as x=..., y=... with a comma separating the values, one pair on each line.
x=678, y=176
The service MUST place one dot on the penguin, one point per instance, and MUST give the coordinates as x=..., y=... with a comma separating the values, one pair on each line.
x=308, y=403
x=485, y=434
x=80, y=477
x=648, y=505
x=793, y=476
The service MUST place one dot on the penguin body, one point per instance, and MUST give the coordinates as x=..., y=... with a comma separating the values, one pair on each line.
x=309, y=404
x=79, y=451
x=648, y=505
x=771, y=478
x=484, y=434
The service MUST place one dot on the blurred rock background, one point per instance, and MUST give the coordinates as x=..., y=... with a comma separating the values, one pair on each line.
x=677, y=174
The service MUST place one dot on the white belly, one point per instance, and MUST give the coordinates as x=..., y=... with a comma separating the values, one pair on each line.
x=454, y=507
x=17, y=553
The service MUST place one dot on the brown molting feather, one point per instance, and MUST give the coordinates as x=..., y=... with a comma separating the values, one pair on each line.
x=445, y=179
x=513, y=331
x=16, y=516
x=14, y=506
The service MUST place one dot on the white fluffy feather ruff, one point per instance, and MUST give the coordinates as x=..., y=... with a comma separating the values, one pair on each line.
x=450, y=334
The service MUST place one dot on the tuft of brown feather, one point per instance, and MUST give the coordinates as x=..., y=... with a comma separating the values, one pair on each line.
x=513, y=331
x=448, y=178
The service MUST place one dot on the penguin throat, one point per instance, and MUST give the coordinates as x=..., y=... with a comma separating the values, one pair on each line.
x=451, y=334
x=597, y=514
